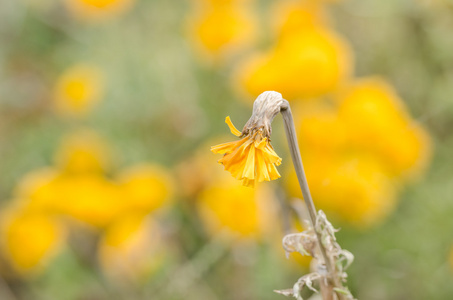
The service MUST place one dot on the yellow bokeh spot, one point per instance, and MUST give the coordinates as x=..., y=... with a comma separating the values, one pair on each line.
x=39, y=190
x=293, y=16
x=320, y=127
x=227, y=206
x=78, y=90
x=379, y=123
x=131, y=248
x=96, y=10
x=91, y=199
x=146, y=187
x=220, y=31
x=29, y=240
x=99, y=3
x=354, y=190
x=83, y=152
x=304, y=64
x=301, y=261
x=358, y=150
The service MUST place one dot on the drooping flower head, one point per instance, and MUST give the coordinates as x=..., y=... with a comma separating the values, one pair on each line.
x=252, y=158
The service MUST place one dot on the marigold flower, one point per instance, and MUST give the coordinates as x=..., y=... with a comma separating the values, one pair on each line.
x=78, y=90
x=252, y=158
x=94, y=10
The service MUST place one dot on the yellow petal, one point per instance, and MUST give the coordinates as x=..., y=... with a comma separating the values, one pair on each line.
x=249, y=169
x=272, y=169
x=248, y=182
x=261, y=144
x=227, y=147
x=232, y=128
x=271, y=155
x=261, y=169
x=235, y=162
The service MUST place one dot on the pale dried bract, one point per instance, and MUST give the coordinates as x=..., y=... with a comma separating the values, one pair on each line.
x=266, y=106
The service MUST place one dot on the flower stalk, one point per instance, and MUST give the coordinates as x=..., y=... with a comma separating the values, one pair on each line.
x=290, y=131
x=265, y=108
x=252, y=159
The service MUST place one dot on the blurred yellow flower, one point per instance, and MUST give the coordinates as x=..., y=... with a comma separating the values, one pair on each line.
x=91, y=199
x=29, y=240
x=292, y=16
x=78, y=90
x=248, y=213
x=251, y=159
x=83, y=151
x=220, y=30
x=218, y=3
x=95, y=10
x=355, y=190
x=146, y=187
x=359, y=150
x=378, y=122
x=131, y=249
x=304, y=64
x=204, y=166
x=39, y=191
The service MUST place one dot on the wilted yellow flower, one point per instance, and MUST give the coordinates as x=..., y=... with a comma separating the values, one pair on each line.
x=146, y=187
x=94, y=10
x=29, y=239
x=78, y=90
x=304, y=64
x=131, y=248
x=251, y=159
x=83, y=151
x=378, y=122
x=220, y=30
x=225, y=205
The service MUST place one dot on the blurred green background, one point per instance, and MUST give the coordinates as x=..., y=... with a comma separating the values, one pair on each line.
x=109, y=107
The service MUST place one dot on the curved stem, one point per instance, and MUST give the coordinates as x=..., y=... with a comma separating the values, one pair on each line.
x=297, y=161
